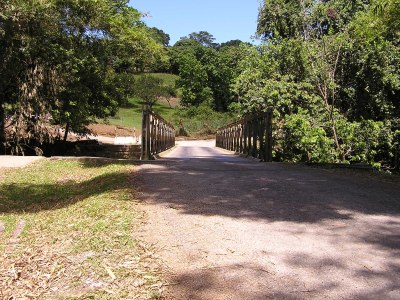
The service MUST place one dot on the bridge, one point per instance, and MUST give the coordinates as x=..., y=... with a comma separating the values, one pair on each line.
x=243, y=227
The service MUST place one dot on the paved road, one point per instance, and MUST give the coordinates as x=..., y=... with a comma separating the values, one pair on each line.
x=233, y=228
x=9, y=161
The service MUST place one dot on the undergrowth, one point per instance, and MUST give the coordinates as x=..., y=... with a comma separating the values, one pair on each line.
x=200, y=121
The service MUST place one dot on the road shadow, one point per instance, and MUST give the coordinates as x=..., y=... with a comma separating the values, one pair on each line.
x=353, y=220
x=239, y=188
x=239, y=281
x=234, y=281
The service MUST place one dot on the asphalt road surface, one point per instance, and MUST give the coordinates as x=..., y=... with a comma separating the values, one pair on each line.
x=234, y=228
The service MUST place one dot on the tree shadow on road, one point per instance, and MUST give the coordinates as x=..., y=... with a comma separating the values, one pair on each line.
x=238, y=281
x=357, y=218
x=272, y=192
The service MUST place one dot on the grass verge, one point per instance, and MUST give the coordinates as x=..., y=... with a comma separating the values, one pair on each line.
x=67, y=230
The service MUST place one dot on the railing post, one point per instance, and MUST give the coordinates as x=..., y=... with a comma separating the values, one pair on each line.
x=145, y=135
x=251, y=136
x=268, y=136
x=245, y=145
x=157, y=135
x=261, y=125
x=254, y=137
x=240, y=138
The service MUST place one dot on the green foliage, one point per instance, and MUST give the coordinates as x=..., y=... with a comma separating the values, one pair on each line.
x=367, y=141
x=301, y=138
x=160, y=36
x=64, y=60
x=371, y=83
x=281, y=19
x=193, y=82
x=200, y=120
x=203, y=37
x=149, y=88
x=330, y=70
x=206, y=74
x=269, y=80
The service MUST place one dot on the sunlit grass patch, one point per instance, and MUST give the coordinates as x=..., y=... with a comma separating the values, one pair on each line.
x=77, y=222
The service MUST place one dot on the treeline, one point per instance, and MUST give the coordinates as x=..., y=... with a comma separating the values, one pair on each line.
x=64, y=63
x=206, y=69
x=329, y=69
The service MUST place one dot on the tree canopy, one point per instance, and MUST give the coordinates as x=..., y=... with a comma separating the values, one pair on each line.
x=61, y=61
x=330, y=69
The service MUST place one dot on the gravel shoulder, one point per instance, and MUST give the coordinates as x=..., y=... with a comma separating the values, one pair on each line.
x=233, y=228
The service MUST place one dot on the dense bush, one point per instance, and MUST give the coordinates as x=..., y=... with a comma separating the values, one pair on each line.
x=332, y=81
x=200, y=120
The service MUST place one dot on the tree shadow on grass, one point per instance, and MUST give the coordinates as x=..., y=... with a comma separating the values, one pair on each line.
x=97, y=162
x=31, y=197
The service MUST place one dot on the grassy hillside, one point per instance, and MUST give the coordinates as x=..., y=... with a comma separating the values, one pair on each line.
x=169, y=79
x=197, y=121
x=131, y=116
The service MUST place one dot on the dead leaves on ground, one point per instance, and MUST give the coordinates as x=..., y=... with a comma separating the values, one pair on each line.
x=46, y=273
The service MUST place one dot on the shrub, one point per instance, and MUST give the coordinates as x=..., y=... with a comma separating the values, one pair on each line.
x=200, y=120
x=303, y=140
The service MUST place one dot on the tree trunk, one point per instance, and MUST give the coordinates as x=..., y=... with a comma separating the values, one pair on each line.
x=2, y=126
x=330, y=110
x=66, y=131
x=335, y=137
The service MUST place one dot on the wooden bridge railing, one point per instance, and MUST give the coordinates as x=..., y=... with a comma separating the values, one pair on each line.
x=158, y=135
x=251, y=136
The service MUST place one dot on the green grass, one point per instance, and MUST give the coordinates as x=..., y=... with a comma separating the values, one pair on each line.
x=79, y=235
x=198, y=122
x=169, y=79
x=131, y=117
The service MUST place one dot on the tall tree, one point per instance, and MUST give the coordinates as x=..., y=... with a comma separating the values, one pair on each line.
x=160, y=36
x=59, y=61
x=204, y=38
x=332, y=80
x=149, y=89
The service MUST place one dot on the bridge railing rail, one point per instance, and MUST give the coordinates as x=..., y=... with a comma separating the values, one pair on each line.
x=251, y=136
x=158, y=135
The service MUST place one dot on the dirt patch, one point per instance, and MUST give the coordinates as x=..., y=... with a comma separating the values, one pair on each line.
x=170, y=102
x=111, y=130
